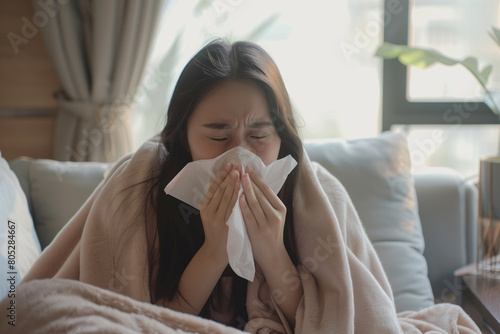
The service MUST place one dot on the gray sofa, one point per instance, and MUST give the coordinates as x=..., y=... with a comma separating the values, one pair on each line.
x=446, y=210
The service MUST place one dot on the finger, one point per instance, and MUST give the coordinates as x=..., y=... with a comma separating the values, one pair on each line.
x=227, y=167
x=251, y=200
x=221, y=176
x=215, y=202
x=273, y=199
x=238, y=167
x=248, y=217
x=225, y=202
x=268, y=210
x=234, y=198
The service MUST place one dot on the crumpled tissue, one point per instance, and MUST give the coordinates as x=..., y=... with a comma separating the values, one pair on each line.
x=192, y=183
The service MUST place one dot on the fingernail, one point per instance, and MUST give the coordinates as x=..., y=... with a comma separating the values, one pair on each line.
x=234, y=174
x=228, y=166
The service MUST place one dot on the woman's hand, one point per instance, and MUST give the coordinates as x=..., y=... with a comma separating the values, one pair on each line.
x=206, y=267
x=216, y=207
x=264, y=215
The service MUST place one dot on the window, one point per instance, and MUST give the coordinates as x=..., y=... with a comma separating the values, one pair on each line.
x=324, y=50
x=441, y=107
x=439, y=95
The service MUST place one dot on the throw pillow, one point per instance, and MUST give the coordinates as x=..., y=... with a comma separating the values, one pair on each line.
x=58, y=190
x=376, y=173
x=19, y=246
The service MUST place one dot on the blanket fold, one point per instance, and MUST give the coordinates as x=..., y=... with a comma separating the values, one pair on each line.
x=104, y=249
x=69, y=306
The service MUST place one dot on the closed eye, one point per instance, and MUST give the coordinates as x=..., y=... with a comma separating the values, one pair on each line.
x=258, y=137
x=218, y=139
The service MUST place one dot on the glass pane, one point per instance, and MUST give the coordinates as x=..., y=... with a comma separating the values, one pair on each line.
x=458, y=29
x=459, y=147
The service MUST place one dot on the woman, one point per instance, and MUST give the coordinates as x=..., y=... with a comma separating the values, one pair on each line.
x=226, y=96
x=316, y=270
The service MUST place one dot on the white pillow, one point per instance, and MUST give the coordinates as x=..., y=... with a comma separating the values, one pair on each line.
x=377, y=175
x=58, y=190
x=19, y=246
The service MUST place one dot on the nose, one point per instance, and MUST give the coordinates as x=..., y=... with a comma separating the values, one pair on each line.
x=240, y=141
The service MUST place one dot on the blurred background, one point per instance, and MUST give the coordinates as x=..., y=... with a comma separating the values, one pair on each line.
x=324, y=50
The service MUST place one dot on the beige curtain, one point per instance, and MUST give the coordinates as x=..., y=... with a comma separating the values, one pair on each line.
x=100, y=49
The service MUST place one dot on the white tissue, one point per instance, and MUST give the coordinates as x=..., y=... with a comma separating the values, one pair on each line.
x=193, y=181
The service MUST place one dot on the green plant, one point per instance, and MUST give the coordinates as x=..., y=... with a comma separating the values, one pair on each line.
x=422, y=58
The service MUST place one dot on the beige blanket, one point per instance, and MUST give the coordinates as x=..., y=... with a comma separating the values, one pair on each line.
x=105, y=245
x=68, y=306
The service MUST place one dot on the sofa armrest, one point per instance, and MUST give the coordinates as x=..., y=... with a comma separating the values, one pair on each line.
x=20, y=166
x=448, y=213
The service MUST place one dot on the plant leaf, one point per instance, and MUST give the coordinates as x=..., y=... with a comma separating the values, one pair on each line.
x=492, y=100
x=413, y=56
x=389, y=50
x=495, y=35
x=425, y=57
x=485, y=73
x=471, y=64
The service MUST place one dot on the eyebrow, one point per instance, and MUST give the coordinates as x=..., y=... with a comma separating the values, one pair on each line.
x=261, y=124
x=217, y=126
x=224, y=126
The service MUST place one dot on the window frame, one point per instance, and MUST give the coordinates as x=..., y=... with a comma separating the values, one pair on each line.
x=396, y=109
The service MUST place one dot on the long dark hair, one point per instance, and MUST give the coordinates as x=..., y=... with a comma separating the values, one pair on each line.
x=179, y=232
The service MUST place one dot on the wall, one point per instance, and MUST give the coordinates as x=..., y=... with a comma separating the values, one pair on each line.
x=28, y=80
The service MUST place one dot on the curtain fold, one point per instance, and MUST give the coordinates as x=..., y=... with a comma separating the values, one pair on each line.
x=100, y=50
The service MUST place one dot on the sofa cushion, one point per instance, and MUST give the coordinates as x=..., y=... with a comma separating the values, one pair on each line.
x=58, y=190
x=19, y=246
x=377, y=175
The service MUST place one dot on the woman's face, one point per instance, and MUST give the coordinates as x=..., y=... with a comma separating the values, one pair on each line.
x=235, y=113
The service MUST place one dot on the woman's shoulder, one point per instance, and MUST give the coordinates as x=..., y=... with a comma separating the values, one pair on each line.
x=336, y=193
x=140, y=165
x=124, y=192
x=132, y=177
x=328, y=181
